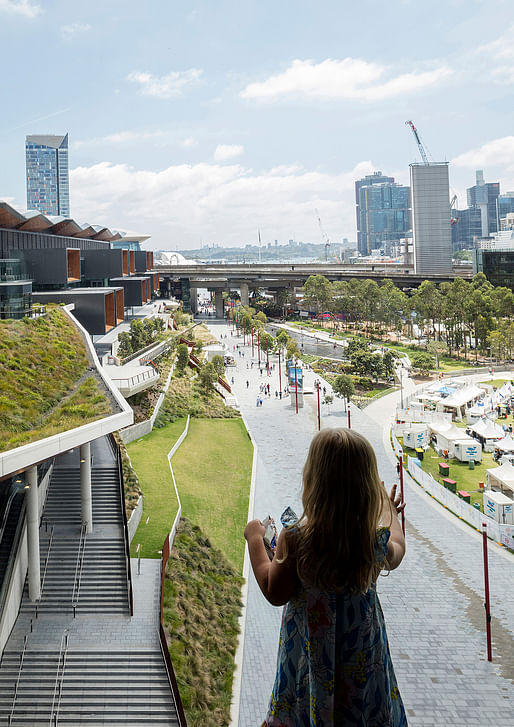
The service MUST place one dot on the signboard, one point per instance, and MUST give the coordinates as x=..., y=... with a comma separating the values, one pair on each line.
x=295, y=380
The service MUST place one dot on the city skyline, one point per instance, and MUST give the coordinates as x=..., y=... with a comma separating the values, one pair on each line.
x=212, y=123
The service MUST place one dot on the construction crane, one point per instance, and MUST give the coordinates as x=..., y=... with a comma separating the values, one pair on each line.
x=418, y=141
x=453, y=206
x=323, y=235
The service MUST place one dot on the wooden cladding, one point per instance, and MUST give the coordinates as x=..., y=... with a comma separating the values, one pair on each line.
x=73, y=263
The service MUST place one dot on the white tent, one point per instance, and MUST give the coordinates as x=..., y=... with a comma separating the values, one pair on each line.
x=506, y=444
x=502, y=477
x=477, y=411
x=460, y=400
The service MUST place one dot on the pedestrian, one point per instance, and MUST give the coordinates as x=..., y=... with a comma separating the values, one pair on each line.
x=324, y=390
x=398, y=468
x=247, y=384
x=257, y=401
x=334, y=666
x=232, y=380
x=280, y=393
x=276, y=394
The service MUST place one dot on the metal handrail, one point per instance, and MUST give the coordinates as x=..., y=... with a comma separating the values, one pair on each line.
x=10, y=564
x=125, y=525
x=6, y=512
x=22, y=657
x=59, y=679
x=46, y=561
x=78, y=568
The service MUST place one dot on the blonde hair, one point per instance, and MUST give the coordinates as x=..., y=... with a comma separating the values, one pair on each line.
x=343, y=499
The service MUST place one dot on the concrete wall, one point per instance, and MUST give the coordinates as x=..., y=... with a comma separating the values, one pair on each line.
x=135, y=518
x=135, y=431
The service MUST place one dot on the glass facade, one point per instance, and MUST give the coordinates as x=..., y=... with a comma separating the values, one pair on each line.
x=497, y=266
x=48, y=188
x=484, y=196
x=382, y=211
x=467, y=228
x=505, y=205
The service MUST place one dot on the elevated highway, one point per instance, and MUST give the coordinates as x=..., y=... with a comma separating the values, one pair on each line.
x=274, y=276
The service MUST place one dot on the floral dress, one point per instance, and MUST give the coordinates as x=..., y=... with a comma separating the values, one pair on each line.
x=334, y=667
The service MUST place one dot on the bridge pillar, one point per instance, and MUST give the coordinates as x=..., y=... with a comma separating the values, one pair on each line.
x=218, y=302
x=34, y=568
x=194, y=300
x=85, y=486
x=244, y=294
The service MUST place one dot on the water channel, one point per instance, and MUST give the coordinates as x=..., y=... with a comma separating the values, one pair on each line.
x=314, y=347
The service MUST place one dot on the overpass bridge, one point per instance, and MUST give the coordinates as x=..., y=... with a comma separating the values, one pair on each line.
x=184, y=280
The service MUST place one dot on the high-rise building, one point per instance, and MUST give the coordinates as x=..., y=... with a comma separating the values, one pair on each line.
x=430, y=199
x=382, y=209
x=48, y=187
x=466, y=228
x=484, y=195
x=505, y=206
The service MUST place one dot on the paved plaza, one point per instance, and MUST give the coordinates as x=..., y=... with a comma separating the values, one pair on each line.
x=433, y=604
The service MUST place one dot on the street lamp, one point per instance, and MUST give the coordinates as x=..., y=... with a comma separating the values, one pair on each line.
x=400, y=376
x=318, y=386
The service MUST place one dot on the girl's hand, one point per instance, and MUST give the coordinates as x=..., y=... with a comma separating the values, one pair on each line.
x=254, y=528
x=396, y=500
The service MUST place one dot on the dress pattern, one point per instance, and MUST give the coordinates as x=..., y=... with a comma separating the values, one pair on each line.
x=334, y=667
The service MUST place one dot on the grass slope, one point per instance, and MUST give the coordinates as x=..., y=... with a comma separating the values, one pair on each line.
x=212, y=470
x=202, y=603
x=41, y=361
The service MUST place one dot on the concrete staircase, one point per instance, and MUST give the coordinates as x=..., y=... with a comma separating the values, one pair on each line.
x=98, y=688
x=103, y=585
x=112, y=671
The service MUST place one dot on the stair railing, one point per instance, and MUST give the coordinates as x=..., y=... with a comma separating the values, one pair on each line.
x=78, y=569
x=22, y=657
x=121, y=487
x=59, y=680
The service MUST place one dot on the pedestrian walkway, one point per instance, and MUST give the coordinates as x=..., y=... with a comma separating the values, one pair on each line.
x=433, y=604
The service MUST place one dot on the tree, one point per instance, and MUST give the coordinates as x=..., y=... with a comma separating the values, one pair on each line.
x=207, y=378
x=437, y=349
x=423, y=362
x=317, y=293
x=292, y=349
x=182, y=357
x=219, y=364
x=125, y=345
x=388, y=360
x=260, y=316
x=137, y=335
x=282, y=338
x=343, y=386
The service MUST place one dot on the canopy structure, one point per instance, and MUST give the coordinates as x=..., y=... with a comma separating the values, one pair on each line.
x=506, y=444
x=502, y=477
x=486, y=429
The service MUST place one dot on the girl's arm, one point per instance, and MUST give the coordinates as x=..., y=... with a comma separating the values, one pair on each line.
x=396, y=543
x=277, y=581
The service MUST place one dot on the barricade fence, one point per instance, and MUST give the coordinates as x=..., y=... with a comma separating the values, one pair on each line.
x=503, y=534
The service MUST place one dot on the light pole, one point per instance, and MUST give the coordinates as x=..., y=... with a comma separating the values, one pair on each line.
x=319, y=410
x=279, y=375
x=400, y=376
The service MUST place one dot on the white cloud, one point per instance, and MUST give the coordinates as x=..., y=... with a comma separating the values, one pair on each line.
x=184, y=204
x=189, y=142
x=501, y=48
x=498, y=152
x=169, y=86
x=69, y=31
x=350, y=78
x=227, y=151
x=22, y=7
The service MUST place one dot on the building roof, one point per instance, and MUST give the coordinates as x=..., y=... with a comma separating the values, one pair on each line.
x=35, y=221
x=51, y=140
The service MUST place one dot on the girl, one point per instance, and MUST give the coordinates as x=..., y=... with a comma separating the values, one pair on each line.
x=334, y=666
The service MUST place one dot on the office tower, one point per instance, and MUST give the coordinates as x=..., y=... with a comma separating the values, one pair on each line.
x=505, y=206
x=467, y=228
x=430, y=199
x=48, y=188
x=484, y=197
x=382, y=209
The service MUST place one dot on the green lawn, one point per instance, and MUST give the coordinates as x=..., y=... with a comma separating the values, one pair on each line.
x=459, y=471
x=212, y=469
x=149, y=457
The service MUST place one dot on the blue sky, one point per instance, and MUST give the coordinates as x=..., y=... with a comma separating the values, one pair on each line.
x=202, y=122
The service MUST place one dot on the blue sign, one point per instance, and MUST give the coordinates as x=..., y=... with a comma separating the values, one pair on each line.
x=296, y=379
